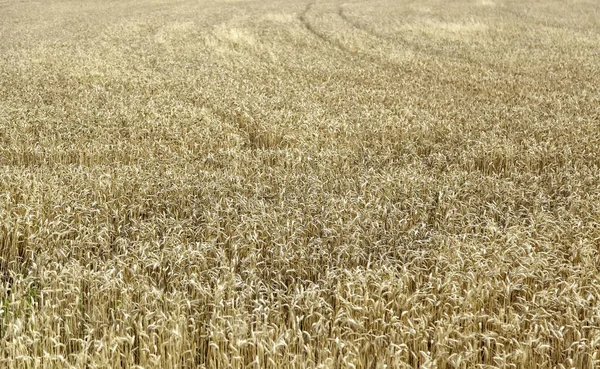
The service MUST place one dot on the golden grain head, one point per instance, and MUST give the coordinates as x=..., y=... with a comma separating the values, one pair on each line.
x=237, y=184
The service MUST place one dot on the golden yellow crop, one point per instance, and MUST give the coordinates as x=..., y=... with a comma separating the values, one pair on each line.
x=285, y=184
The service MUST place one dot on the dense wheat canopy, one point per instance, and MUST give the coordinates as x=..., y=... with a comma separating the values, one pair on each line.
x=285, y=184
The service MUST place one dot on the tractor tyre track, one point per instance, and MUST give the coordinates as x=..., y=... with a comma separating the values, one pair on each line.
x=524, y=18
x=350, y=53
x=397, y=71
x=411, y=45
x=309, y=27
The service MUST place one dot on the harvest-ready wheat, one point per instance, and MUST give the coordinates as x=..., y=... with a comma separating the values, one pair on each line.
x=293, y=184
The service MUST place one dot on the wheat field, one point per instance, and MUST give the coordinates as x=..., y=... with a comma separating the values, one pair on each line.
x=293, y=184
